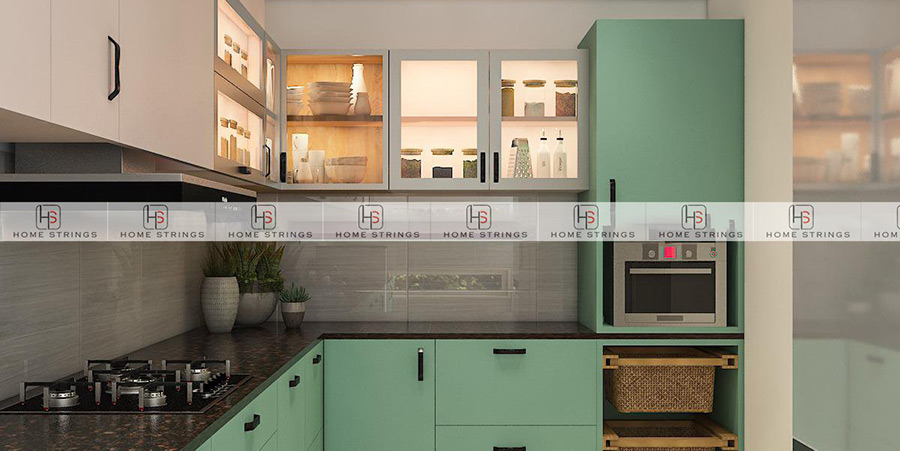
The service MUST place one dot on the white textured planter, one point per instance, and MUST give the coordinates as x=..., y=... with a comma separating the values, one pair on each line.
x=219, y=297
x=292, y=313
x=255, y=308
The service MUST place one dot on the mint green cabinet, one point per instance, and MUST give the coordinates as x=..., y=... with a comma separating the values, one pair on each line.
x=821, y=393
x=532, y=438
x=292, y=389
x=314, y=368
x=272, y=444
x=318, y=444
x=375, y=399
x=516, y=382
x=874, y=396
x=206, y=446
x=263, y=411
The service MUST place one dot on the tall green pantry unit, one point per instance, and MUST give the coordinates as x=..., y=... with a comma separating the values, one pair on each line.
x=667, y=121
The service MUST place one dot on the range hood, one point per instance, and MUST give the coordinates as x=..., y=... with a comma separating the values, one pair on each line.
x=99, y=172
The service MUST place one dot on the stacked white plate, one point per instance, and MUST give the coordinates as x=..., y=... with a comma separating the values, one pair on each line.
x=329, y=97
x=294, y=100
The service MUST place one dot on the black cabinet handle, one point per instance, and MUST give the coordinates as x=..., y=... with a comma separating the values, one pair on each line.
x=251, y=425
x=509, y=448
x=421, y=354
x=294, y=382
x=317, y=359
x=483, y=158
x=268, y=160
x=518, y=351
x=496, y=167
x=116, y=90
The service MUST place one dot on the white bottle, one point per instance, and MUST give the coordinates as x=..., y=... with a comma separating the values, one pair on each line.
x=543, y=158
x=560, y=159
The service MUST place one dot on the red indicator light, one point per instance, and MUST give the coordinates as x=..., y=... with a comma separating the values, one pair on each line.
x=669, y=252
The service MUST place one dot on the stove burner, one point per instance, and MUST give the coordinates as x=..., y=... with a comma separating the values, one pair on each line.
x=199, y=375
x=61, y=399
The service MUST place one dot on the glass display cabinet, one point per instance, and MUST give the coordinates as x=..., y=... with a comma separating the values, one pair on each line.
x=239, y=141
x=336, y=118
x=890, y=115
x=273, y=77
x=439, y=120
x=539, y=120
x=239, y=49
x=272, y=149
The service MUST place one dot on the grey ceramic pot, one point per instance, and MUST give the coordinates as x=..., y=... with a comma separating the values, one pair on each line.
x=255, y=308
x=219, y=298
x=292, y=313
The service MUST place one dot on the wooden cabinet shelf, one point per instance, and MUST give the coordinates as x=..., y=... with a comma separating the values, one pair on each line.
x=540, y=119
x=335, y=120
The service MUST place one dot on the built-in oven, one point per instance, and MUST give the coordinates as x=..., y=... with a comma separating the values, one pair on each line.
x=671, y=284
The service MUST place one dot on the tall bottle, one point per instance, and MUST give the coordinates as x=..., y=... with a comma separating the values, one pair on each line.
x=543, y=158
x=560, y=159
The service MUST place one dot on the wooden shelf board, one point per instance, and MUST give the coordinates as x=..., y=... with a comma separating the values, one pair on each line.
x=832, y=59
x=334, y=120
x=539, y=119
x=407, y=119
x=335, y=59
x=816, y=121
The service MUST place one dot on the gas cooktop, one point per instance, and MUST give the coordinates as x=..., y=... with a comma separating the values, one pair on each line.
x=132, y=386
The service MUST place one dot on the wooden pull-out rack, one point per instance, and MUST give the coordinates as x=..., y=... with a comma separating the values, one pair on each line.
x=616, y=356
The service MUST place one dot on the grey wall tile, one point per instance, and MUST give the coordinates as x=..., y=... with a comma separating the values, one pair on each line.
x=110, y=279
x=514, y=306
x=557, y=282
x=109, y=337
x=43, y=356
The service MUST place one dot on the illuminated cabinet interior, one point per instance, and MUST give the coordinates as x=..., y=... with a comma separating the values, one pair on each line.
x=239, y=142
x=336, y=119
x=238, y=45
x=890, y=114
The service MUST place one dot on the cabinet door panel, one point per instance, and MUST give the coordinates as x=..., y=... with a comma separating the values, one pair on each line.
x=516, y=382
x=82, y=65
x=167, y=81
x=292, y=390
x=234, y=437
x=25, y=26
x=874, y=393
x=315, y=387
x=373, y=398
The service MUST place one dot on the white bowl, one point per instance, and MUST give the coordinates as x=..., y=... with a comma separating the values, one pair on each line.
x=338, y=108
x=330, y=97
x=345, y=174
x=330, y=85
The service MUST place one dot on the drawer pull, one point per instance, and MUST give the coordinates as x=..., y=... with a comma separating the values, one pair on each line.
x=509, y=448
x=317, y=359
x=294, y=382
x=421, y=354
x=518, y=351
x=251, y=425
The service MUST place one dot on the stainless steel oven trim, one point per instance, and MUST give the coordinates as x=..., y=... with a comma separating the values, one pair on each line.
x=670, y=271
x=633, y=251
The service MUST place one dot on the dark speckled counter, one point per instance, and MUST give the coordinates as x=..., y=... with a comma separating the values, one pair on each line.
x=264, y=352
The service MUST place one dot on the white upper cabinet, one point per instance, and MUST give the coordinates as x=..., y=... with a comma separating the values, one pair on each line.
x=167, y=102
x=83, y=39
x=25, y=27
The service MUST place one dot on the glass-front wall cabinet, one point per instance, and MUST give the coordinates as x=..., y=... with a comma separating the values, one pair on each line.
x=336, y=120
x=539, y=128
x=439, y=120
x=239, y=48
x=239, y=133
x=273, y=77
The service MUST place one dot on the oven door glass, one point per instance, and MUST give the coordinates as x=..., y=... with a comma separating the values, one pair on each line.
x=667, y=291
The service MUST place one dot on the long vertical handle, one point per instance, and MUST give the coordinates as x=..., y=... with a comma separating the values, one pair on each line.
x=496, y=167
x=483, y=167
x=268, y=160
x=421, y=364
x=118, y=86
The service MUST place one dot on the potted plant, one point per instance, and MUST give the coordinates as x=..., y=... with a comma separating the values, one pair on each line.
x=259, y=279
x=219, y=293
x=293, y=305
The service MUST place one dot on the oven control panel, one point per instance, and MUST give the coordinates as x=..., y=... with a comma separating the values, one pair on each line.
x=678, y=251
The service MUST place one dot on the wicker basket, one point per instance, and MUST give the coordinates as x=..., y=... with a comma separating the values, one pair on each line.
x=662, y=379
x=699, y=434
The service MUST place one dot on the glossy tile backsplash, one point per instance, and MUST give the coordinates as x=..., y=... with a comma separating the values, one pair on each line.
x=62, y=303
x=493, y=281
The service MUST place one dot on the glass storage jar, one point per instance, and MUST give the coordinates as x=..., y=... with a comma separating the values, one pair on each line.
x=232, y=140
x=534, y=98
x=241, y=144
x=470, y=163
x=507, y=97
x=411, y=163
x=442, y=163
x=247, y=147
x=566, y=97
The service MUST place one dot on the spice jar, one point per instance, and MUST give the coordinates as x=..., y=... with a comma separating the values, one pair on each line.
x=247, y=147
x=470, y=163
x=442, y=163
x=507, y=97
x=232, y=140
x=533, y=96
x=411, y=163
x=566, y=97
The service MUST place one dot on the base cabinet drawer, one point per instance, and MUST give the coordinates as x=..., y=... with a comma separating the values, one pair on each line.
x=516, y=382
x=252, y=427
x=516, y=438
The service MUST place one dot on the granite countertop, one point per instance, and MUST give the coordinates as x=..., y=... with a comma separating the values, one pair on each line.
x=262, y=352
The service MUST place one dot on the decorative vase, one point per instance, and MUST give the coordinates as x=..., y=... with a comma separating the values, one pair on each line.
x=292, y=313
x=255, y=308
x=219, y=299
x=362, y=107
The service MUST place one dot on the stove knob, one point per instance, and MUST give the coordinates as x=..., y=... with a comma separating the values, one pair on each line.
x=651, y=254
x=688, y=253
